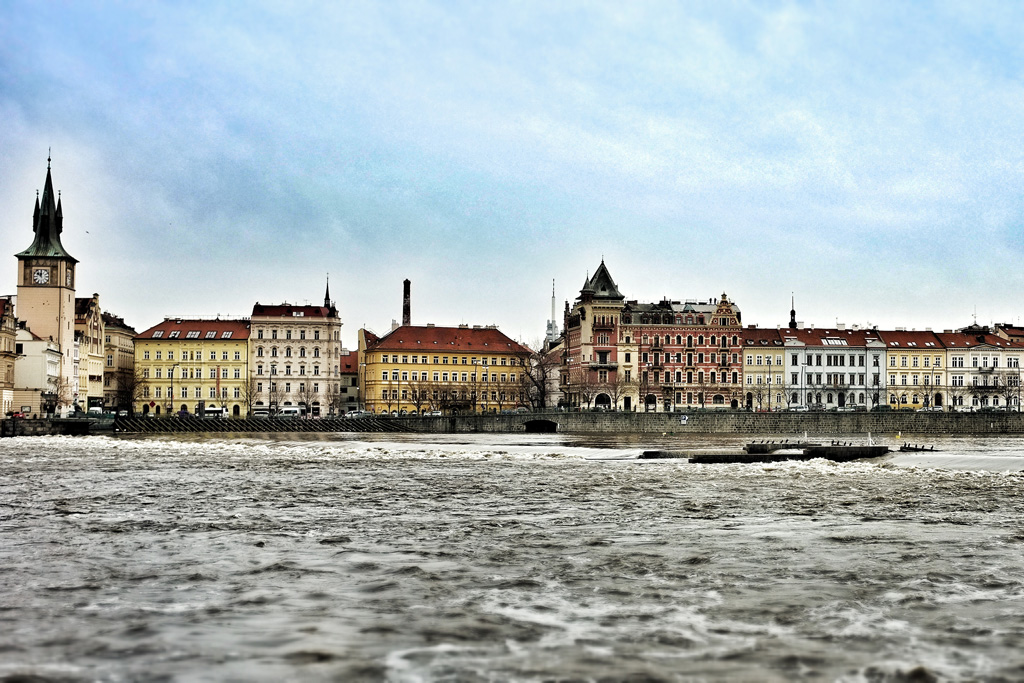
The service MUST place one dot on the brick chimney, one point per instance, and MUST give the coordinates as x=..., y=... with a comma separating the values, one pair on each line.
x=406, y=303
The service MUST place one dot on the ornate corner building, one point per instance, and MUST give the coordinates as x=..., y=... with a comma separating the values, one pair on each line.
x=665, y=356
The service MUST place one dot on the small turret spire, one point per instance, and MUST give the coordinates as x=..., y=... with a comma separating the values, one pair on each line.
x=327, y=292
x=792, y=312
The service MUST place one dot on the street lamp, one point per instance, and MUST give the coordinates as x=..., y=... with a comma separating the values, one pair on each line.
x=171, y=397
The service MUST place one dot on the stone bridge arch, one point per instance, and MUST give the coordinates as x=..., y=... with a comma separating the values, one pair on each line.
x=540, y=426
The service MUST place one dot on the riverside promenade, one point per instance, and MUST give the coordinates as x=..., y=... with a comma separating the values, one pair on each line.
x=731, y=422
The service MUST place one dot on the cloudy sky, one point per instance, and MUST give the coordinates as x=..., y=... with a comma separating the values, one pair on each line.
x=866, y=158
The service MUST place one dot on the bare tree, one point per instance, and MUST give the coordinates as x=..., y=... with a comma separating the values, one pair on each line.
x=274, y=394
x=539, y=373
x=62, y=391
x=129, y=388
x=1008, y=388
x=956, y=394
x=388, y=398
x=305, y=397
x=586, y=387
x=418, y=394
x=249, y=393
x=332, y=398
x=759, y=394
x=619, y=387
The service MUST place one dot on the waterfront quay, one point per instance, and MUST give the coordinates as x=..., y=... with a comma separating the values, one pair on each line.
x=814, y=424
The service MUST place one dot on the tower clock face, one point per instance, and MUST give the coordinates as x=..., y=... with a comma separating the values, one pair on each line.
x=41, y=276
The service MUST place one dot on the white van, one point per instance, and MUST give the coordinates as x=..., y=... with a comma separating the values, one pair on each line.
x=290, y=412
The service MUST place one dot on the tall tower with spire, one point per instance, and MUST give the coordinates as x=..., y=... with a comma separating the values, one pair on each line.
x=46, y=283
x=552, y=331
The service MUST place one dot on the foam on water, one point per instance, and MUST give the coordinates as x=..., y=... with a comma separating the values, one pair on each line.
x=510, y=557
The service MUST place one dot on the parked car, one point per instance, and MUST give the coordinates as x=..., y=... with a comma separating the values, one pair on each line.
x=798, y=409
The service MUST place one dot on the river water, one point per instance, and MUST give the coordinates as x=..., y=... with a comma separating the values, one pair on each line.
x=504, y=558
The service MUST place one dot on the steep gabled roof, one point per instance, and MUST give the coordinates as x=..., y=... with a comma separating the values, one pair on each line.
x=602, y=286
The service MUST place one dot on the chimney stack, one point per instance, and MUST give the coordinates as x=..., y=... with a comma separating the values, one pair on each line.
x=406, y=303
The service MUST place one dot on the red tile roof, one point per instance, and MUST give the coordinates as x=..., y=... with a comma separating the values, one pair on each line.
x=924, y=340
x=760, y=336
x=818, y=336
x=291, y=311
x=239, y=329
x=349, y=364
x=964, y=340
x=465, y=339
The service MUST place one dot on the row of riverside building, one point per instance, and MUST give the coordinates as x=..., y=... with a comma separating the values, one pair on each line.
x=61, y=354
x=672, y=356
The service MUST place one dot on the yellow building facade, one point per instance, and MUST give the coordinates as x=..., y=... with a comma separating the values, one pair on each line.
x=199, y=367
x=426, y=369
x=764, y=372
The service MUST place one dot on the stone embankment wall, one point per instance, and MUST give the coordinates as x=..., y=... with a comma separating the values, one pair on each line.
x=815, y=424
x=788, y=424
x=24, y=427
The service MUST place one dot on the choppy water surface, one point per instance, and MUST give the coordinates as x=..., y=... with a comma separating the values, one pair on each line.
x=504, y=559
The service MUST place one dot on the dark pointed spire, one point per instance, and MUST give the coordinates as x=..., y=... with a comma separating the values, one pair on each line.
x=47, y=224
x=792, y=312
x=327, y=292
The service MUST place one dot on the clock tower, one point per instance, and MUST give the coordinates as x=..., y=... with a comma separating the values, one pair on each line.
x=46, y=282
